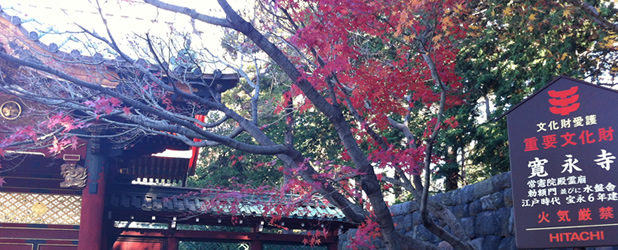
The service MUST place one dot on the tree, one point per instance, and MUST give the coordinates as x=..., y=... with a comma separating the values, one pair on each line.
x=380, y=74
x=514, y=48
x=360, y=65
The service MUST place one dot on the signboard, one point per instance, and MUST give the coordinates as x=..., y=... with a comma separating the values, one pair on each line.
x=563, y=166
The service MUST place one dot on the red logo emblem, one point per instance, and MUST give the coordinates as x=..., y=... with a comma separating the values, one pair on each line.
x=563, y=102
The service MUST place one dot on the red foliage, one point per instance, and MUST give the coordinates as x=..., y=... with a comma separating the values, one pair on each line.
x=58, y=145
x=365, y=234
x=126, y=110
x=103, y=105
x=406, y=159
x=63, y=120
x=372, y=53
x=338, y=36
x=383, y=84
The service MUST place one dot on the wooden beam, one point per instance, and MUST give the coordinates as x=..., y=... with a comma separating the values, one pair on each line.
x=214, y=235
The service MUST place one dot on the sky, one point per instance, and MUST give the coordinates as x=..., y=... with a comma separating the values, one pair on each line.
x=125, y=18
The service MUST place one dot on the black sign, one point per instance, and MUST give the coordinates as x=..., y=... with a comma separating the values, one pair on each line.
x=563, y=166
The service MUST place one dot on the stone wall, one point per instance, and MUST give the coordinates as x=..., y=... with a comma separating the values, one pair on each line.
x=484, y=209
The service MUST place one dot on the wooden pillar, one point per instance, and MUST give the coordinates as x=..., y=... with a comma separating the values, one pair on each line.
x=334, y=234
x=93, y=199
x=172, y=243
x=256, y=244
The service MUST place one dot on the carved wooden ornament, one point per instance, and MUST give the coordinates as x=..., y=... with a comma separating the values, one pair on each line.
x=74, y=176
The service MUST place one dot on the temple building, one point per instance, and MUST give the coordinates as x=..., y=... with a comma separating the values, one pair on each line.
x=100, y=194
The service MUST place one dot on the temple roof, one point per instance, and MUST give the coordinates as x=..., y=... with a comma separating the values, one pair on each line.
x=18, y=41
x=143, y=202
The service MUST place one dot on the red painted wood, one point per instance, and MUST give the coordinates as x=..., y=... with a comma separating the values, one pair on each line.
x=34, y=174
x=195, y=151
x=56, y=247
x=91, y=220
x=21, y=225
x=15, y=236
x=172, y=243
x=213, y=235
x=15, y=246
x=256, y=245
x=132, y=244
x=38, y=233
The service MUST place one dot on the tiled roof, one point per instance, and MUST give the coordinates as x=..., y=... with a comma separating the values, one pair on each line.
x=25, y=44
x=178, y=200
x=17, y=40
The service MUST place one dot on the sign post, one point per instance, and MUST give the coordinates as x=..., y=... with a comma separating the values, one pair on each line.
x=563, y=170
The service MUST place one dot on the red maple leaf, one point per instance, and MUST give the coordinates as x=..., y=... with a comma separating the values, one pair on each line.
x=115, y=102
x=2, y=182
x=55, y=119
x=57, y=146
x=74, y=143
x=89, y=103
x=126, y=110
x=103, y=105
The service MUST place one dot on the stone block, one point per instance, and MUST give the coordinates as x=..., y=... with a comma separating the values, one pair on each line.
x=491, y=242
x=416, y=218
x=404, y=208
x=399, y=222
x=452, y=197
x=486, y=223
x=508, y=197
x=502, y=217
x=501, y=181
x=443, y=245
x=422, y=233
x=411, y=234
x=511, y=227
x=507, y=243
x=344, y=242
x=458, y=197
x=492, y=201
x=461, y=210
x=379, y=243
x=475, y=207
x=439, y=198
x=466, y=195
x=478, y=242
x=412, y=207
x=467, y=224
x=483, y=188
x=408, y=224
x=397, y=209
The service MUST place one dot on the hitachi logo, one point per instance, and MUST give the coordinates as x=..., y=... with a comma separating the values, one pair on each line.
x=576, y=236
